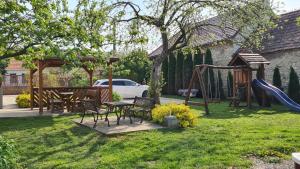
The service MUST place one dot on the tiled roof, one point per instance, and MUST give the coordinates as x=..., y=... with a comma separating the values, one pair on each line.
x=15, y=65
x=285, y=36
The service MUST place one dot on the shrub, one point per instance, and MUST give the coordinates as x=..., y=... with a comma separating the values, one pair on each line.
x=294, y=86
x=229, y=84
x=182, y=112
x=8, y=154
x=116, y=97
x=23, y=100
x=178, y=70
x=171, y=74
x=187, y=69
x=165, y=69
x=277, y=78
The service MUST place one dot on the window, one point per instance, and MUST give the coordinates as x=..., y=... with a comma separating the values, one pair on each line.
x=24, y=80
x=130, y=83
x=118, y=83
x=13, y=78
x=105, y=83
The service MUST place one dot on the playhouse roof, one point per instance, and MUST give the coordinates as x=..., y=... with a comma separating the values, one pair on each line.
x=247, y=59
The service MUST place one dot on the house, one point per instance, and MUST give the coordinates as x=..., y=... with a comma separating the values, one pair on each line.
x=281, y=47
x=14, y=81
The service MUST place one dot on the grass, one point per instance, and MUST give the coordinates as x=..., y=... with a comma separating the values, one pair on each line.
x=226, y=138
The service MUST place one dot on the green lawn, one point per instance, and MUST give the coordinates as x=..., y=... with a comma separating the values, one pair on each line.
x=225, y=138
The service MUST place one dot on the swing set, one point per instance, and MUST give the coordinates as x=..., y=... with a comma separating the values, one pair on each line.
x=242, y=65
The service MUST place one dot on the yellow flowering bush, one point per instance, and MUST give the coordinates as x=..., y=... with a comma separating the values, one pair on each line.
x=23, y=100
x=182, y=112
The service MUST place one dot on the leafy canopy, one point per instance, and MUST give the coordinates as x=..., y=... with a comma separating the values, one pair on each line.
x=47, y=28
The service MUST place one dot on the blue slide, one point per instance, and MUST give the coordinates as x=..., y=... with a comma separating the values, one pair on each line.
x=277, y=93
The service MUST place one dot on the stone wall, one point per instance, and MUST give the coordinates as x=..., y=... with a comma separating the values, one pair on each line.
x=284, y=60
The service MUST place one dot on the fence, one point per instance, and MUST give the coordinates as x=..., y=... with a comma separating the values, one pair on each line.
x=14, y=84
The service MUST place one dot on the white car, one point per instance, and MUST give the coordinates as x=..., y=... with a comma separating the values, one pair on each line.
x=125, y=87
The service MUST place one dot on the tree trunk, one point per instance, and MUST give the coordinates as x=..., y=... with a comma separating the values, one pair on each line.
x=156, y=81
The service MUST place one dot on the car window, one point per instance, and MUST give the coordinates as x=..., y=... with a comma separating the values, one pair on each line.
x=105, y=83
x=130, y=83
x=118, y=83
x=96, y=83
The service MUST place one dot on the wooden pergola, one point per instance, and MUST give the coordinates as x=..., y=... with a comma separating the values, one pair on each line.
x=57, y=62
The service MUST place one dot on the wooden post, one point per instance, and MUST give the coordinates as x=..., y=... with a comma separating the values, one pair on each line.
x=249, y=88
x=190, y=86
x=234, y=83
x=262, y=76
x=110, y=89
x=31, y=88
x=202, y=86
x=40, y=69
x=91, y=77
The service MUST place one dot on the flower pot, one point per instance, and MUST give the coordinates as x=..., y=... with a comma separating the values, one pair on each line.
x=171, y=122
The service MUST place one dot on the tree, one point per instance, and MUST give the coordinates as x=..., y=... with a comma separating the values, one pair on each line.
x=47, y=28
x=177, y=21
x=179, y=68
x=294, y=86
x=187, y=69
x=277, y=78
x=165, y=71
x=220, y=87
x=135, y=66
x=209, y=74
x=229, y=84
x=172, y=74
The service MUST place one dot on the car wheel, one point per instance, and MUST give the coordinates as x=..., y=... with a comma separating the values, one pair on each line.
x=145, y=93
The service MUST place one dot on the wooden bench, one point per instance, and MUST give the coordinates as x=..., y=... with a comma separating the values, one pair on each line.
x=92, y=105
x=142, y=105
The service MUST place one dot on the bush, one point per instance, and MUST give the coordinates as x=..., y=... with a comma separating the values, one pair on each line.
x=182, y=112
x=294, y=86
x=277, y=78
x=8, y=154
x=23, y=100
x=116, y=97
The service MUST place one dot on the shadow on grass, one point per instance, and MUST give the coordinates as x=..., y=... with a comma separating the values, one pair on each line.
x=223, y=111
x=24, y=123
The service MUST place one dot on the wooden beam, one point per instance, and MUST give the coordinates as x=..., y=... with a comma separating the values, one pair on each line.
x=203, y=90
x=40, y=69
x=222, y=67
x=249, y=80
x=31, y=72
x=110, y=89
x=190, y=86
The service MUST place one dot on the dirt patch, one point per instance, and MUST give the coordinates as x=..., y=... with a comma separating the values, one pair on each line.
x=271, y=163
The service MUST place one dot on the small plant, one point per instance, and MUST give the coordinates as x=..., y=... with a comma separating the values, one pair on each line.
x=116, y=97
x=23, y=100
x=8, y=154
x=182, y=112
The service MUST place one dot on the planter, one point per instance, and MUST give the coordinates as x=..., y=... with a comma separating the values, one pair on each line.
x=171, y=122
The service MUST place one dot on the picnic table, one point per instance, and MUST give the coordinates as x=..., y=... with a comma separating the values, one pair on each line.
x=118, y=108
x=66, y=98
